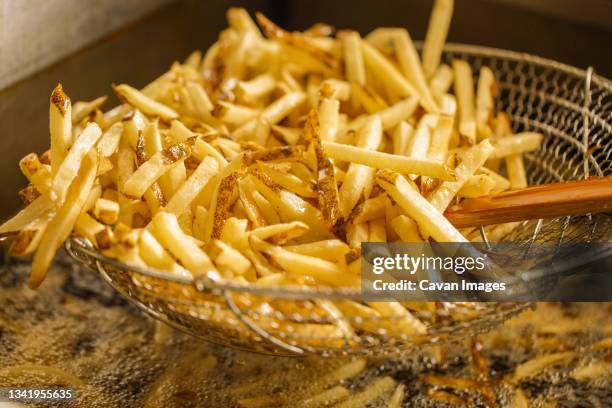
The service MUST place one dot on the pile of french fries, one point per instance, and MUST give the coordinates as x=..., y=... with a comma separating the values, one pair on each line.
x=271, y=157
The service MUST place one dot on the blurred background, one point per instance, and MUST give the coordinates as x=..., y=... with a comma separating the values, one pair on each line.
x=43, y=42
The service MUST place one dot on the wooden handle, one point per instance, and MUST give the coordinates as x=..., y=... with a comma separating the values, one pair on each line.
x=544, y=201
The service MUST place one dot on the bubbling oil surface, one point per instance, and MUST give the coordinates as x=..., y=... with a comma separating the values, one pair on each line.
x=76, y=328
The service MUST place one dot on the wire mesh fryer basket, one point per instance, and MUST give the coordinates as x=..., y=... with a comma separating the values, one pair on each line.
x=571, y=107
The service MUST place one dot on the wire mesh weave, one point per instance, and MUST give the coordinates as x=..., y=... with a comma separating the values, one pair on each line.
x=571, y=107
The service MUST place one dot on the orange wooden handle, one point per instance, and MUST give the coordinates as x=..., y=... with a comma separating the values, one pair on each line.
x=543, y=201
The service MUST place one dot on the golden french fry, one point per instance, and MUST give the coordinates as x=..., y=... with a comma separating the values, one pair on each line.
x=291, y=207
x=189, y=190
x=400, y=164
x=401, y=137
x=411, y=67
x=106, y=211
x=370, y=209
x=370, y=135
x=288, y=181
x=476, y=186
x=150, y=171
x=485, y=101
x=419, y=144
x=88, y=227
x=69, y=168
x=464, y=91
x=331, y=249
x=166, y=229
x=303, y=265
x=228, y=258
x=353, y=58
x=140, y=101
x=377, y=231
x=429, y=219
x=63, y=221
x=109, y=142
x=470, y=161
x=439, y=22
x=255, y=88
x=441, y=81
x=60, y=126
x=406, y=228
x=501, y=183
x=80, y=110
x=383, y=69
x=517, y=144
x=234, y=114
x=440, y=138
x=328, y=118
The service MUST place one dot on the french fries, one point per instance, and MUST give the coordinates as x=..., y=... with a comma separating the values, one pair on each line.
x=517, y=144
x=428, y=217
x=60, y=126
x=400, y=164
x=464, y=90
x=439, y=22
x=62, y=223
x=268, y=160
x=69, y=168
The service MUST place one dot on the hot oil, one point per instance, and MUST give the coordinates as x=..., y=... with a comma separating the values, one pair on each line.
x=82, y=330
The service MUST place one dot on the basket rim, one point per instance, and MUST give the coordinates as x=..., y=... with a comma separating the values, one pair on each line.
x=328, y=292
x=485, y=51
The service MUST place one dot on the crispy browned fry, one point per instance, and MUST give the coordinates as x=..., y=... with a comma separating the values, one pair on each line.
x=298, y=41
x=291, y=207
x=327, y=186
x=150, y=171
x=428, y=217
x=60, y=126
x=29, y=237
x=223, y=198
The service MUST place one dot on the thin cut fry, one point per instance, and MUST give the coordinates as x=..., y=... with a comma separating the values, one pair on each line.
x=189, y=190
x=144, y=103
x=139, y=181
x=517, y=144
x=439, y=21
x=69, y=168
x=471, y=160
x=410, y=64
x=62, y=223
x=382, y=68
x=429, y=219
x=400, y=164
x=485, y=99
x=464, y=91
x=60, y=126
x=169, y=234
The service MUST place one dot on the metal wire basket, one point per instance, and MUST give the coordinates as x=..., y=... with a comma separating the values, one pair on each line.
x=570, y=106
